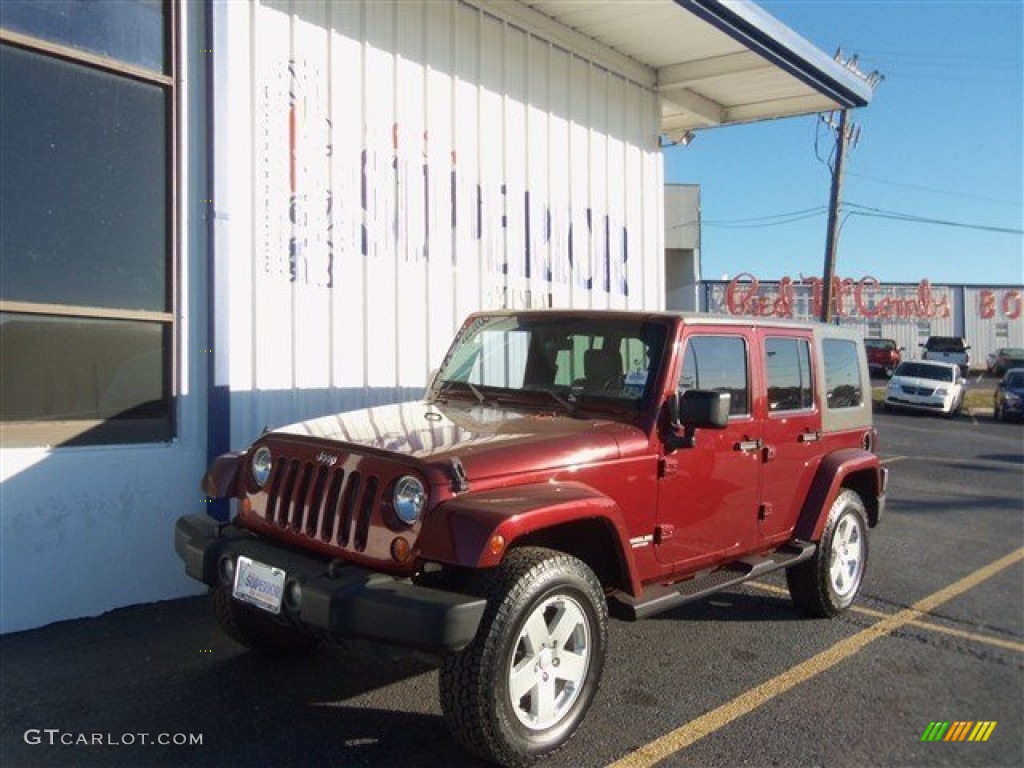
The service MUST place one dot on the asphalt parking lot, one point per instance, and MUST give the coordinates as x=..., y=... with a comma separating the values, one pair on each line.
x=740, y=679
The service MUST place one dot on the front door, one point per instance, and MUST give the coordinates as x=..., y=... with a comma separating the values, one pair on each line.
x=709, y=494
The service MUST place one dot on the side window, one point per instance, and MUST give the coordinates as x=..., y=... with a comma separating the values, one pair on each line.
x=842, y=374
x=718, y=363
x=788, y=369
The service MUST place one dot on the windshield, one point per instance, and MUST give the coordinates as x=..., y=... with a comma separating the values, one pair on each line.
x=926, y=371
x=886, y=344
x=1015, y=379
x=944, y=344
x=565, y=356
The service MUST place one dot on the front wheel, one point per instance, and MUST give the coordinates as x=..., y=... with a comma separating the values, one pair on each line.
x=828, y=583
x=522, y=687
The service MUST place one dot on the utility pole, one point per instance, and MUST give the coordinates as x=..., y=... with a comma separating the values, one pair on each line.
x=845, y=134
x=832, y=237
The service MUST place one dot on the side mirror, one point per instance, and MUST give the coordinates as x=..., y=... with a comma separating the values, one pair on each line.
x=695, y=409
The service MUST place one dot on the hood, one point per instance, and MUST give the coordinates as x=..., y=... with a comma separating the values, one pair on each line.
x=488, y=441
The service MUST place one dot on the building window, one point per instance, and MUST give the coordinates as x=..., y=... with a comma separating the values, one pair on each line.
x=86, y=227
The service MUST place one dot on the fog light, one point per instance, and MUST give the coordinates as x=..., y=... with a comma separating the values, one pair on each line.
x=226, y=570
x=400, y=549
x=292, y=596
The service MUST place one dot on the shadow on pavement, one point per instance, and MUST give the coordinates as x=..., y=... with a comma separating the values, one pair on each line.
x=135, y=676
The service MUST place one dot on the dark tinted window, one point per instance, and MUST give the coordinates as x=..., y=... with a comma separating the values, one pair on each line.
x=84, y=185
x=128, y=30
x=718, y=363
x=81, y=369
x=926, y=371
x=86, y=222
x=842, y=374
x=788, y=369
x=945, y=344
x=884, y=344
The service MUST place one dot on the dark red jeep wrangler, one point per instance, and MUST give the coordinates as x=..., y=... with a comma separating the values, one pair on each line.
x=564, y=465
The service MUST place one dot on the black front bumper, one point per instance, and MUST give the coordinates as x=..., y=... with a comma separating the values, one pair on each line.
x=339, y=601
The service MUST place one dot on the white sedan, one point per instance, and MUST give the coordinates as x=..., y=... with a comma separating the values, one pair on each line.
x=926, y=386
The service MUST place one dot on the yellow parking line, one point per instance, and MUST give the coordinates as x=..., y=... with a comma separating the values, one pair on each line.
x=1009, y=645
x=685, y=735
x=891, y=459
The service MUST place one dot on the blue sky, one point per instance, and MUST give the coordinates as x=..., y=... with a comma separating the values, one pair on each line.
x=942, y=139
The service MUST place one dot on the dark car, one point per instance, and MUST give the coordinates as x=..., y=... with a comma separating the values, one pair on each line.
x=1004, y=359
x=883, y=355
x=1009, y=395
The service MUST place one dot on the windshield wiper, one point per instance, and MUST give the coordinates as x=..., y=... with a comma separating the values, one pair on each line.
x=569, y=404
x=449, y=384
x=475, y=391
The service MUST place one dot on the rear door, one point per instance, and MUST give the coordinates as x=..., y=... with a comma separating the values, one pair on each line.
x=708, y=495
x=792, y=430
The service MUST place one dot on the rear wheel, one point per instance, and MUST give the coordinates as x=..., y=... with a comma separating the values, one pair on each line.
x=522, y=687
x=256, y=629
x=828, y=583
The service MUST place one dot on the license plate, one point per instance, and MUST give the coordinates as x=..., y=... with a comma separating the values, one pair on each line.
x=259, y=584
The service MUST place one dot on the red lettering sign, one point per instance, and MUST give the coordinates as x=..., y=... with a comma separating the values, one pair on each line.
x=861, y=298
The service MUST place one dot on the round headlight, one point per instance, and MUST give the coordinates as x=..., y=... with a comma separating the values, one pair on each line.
x=261, y=463
x=409, y=500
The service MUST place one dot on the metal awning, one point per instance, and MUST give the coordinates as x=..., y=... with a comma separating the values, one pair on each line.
x=714, y=62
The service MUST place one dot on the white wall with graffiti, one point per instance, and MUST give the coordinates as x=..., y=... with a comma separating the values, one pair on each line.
x=989, y=317
x=387, y=168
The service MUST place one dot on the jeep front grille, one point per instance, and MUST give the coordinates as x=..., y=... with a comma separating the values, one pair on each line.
x=323, y=503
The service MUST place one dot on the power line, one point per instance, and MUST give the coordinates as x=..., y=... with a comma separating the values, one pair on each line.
x=791, y=217
x=881, y=213
x=933, y=190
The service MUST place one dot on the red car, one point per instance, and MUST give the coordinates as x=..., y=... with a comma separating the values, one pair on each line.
x=564, y=466
x=883, y=355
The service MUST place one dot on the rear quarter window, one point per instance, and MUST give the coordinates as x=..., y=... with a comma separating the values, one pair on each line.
x=842, y=374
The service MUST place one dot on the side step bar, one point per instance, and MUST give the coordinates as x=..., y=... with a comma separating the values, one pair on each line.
x=662, y=597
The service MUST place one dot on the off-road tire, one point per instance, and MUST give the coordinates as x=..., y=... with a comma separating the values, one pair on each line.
x=828, y=583
x=261, y=633
x=532, y=584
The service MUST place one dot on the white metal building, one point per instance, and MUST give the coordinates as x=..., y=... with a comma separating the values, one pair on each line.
x=219, y=216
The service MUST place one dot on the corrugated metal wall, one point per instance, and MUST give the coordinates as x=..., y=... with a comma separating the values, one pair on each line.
x=994, y=317
x=393, y=167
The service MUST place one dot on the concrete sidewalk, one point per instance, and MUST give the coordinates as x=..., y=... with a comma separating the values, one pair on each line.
x=107, y=691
